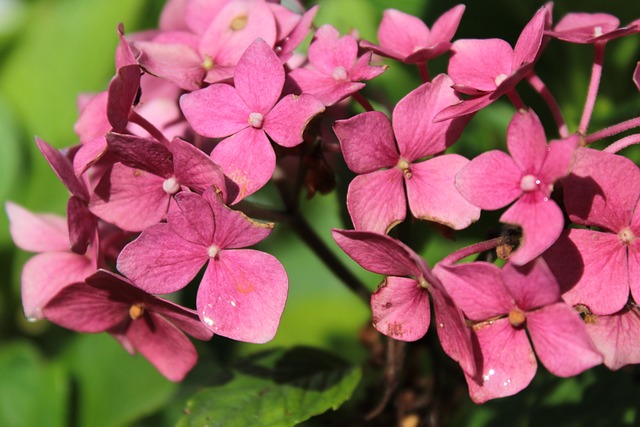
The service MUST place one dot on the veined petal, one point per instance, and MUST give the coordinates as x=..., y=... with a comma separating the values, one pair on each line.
x=82, y=225
x=176, y=62
x=532, y=285
x=401, y=309
x=286, y=122
x=477, y=63
x=490, y=181
x=633, y=254
x=328, y=50
x=123, y=90
x=324, y=87
x=433, y=196
x=63, y=169
x=528, y=44
x=37, y=232
x=141, y=153
x=89, y=153
x=242, y=295
x=192, y=219
x=193, y=168
x=160, y=262
x=367, y=142
x=561, y=341
x=527, y=142
x=259, y=77
x=400, y=33
x=446, y=25
x=376, y=201
x=616, y=336
x=560, y=155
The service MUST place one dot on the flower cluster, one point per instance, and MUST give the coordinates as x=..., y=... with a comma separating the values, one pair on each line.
x=216, y=103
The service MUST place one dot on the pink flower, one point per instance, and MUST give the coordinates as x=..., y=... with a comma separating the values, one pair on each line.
x=377, y=199
x=616, y=336
x=494, y=179
x=588, y=28
x=502, y=303
x=243, y=291
x=140, y=322
x=406, y=38
x=250, y=112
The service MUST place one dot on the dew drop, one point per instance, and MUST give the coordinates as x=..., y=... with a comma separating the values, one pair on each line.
x=488, y=375
x=441, y=325
x=233, y=303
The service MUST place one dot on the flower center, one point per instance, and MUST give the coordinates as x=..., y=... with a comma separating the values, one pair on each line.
x=403, y=165
x=207, y=63
x=171, y=185
x=256, y=120
x=213, y=251
x=517, y=317
x=500, y=78
x=597, y=31
x=239, y=22
x=136, y=311
x=422, y=282
x=529, y=183
x=626, y=235
x=340, y=74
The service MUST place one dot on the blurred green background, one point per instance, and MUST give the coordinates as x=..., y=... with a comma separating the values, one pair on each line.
x=52, y=50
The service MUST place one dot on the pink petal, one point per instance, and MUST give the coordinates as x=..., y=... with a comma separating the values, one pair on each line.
x=376, y=201
x=446, y=25
x=416, y=132
x=44, y=275
x=541, y=220
x=634, y=268
x=433, y=196
x=247, y=159
x=401, y=309
x=92, y=122
x=178, y=63
x=129, y=198
x=193, y=168
x=560, y=155
x=490, y=181
x=63, y=169
x=137, y=152
x=37, y=232
x=530, y=40
x=378, y=253
x=328, y=50
x=286, y=122
x=532, y=285
x=82, y=225
x=507, y=364
x=616, y=337
x=469, y=106
x=477, y=63
x=160, y=262
x=324, y=87
x=123, y=90
x=477, y=288
x=259, y=77
x=88, y=154
x=367, y=142
x=400, y=33
x=636, y=76
x=561, y=341
x=298, y=34
x=242, y=295
x=216, y=111
x=197, y=15
x=584, y=27
x=362, y=70
x=164, y=345
x=527, y=142
x=192, y=219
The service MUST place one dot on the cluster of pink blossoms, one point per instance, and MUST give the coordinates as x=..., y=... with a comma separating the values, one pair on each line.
x=206, y=110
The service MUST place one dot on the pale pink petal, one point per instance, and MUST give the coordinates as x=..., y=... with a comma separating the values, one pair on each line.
x=363, y=70
x=477, y=288
x=560, y=155
x=178, y=63
x=561, y=341
x=164, y=345
x=477, y=63
x=193, y=168
x=198, y=15
x=400, y=34
x=616, y=337
x=233, y=229
x=378, y=253
x=541, y=220
x=192, y=219
x=507, y=364
x=37, y=232
x=92, y=122
x=259, y=77
x=160, y=262
x=433, y=196
x=416, y=132
x=242, y=295
x=328, y=50
x=376, y=201
x=490, y=181
x=324, y=87
x=528, y=44
x=592, y=269
x=527, y=142
x=367, y=142
x=129, y=198
x=401, y=309
x=532, y=285
x=286, y=122
x=216, y=111
x=44, y=275
x=247, y=159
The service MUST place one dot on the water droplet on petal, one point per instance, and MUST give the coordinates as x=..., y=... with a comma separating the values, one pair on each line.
x=486, y=377
x=441, y=325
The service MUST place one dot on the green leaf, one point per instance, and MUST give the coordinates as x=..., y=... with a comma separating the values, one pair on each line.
x=275, y=388
x=32, y=391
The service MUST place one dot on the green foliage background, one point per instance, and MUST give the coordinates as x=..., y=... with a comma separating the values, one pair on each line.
x=52, y=50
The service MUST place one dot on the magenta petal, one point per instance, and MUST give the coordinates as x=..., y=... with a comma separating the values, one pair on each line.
x=247, y=159
x=164, y=345
x=362, y=70
x=433, y=196
x=541, y=221
x=129, y=198
x=636, y=75
x=324, y=87
x=616, y=337
x=259, y=77
x=37, y=232
x=44, y=275
x=477, y=63
x=92, y=122
x=477, y=288
x=137, y=152
x=242, y=295
x=63, y=168
x=528, y=44
x=527, y=142
x=634, y=268
x=532, y=285
x=328, y=50
x=82, y=225
x=401, y=309
x=468, y=106
x=378, y=253
x=376, y=201
x=123, y=90
x=193, y=168
x=508, y=363
x=367, y=142
x=490, y=181
x=400, y=33
x=560, y=155
x=446, y=25
x=178, y=63
x=160, y=262
x=216, y=111
x=286, y=122
x=561, y=341
x=192, y=219
x=88, y=154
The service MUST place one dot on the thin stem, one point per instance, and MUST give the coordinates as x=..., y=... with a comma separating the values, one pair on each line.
x=146, y=125
x=424, y=72
x=476, y=248
x=548, y=97
x=613, y=130
x=516, y=100
x=623, y=143
x=363, y=101
x=594, y=85
x=392, y=370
